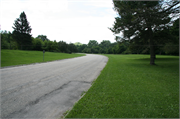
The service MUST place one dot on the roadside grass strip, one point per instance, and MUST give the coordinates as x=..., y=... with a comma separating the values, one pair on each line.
x=129, y=87
x=20, y=57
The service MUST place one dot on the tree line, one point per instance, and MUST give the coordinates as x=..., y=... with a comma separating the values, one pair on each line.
x=148, y=27
x=41, y=42
x=21, y=39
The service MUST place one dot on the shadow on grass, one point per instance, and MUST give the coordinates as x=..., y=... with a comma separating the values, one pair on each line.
x=165, y=63
x=157, y=59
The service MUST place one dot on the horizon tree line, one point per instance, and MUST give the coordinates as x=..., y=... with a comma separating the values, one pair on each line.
x=141, y=34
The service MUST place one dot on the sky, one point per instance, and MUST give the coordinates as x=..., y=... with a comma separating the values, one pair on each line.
x=68, y=20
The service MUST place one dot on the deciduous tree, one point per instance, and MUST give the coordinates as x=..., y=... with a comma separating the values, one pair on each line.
x=141, y=19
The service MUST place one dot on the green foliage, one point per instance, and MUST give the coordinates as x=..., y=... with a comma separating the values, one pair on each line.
x=4, y=43
x=87, y=50
x=105, y=44
x=105, y=47
x=20, y=57
x=92, y=43
x=72, y=48
x=80, y=48
x=78, y=44
x=172, y=46
x=7, y=42
x=63, y=46
x=42, y=37
x=37, y=44
x=128, y=87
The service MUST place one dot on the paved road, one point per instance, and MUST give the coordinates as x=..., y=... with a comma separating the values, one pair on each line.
x=47, y=90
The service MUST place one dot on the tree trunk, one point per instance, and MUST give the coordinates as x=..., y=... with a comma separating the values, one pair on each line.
x=152, y=53
x=152, y=48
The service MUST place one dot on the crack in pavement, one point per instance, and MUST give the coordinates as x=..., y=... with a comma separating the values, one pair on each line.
x=19, y=87
x=32, y=103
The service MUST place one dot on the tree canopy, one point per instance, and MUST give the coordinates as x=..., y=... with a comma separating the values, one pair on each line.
x=43, y=37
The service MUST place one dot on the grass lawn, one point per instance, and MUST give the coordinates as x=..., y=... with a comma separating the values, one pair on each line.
x=19, y=57
x=129, y=87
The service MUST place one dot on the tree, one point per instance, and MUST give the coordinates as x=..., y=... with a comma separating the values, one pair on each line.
x=87, y=50
x=78, y=44
x=92, y=43
x=81, y=47
x=7, y=42
x=4, y=40
x=72, y=48
x=22, y=31
x=37, y=44
x=62, y=46
x=95, y=49
x=141, y=19
x=172, y=46
x=105, y=44
x=43, y=37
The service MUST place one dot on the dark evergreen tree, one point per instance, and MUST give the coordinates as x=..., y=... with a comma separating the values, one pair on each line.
x=22, y=31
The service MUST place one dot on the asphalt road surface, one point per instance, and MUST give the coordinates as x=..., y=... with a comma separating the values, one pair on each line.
x=47, y=90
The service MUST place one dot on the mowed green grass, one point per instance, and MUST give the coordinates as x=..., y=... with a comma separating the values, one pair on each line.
x=19, y=57
x=128, y=87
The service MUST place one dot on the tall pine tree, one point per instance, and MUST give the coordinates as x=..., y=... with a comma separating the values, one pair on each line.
x=22, y=31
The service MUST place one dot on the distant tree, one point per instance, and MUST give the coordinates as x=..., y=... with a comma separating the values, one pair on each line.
x=95, y=49
x=22, y=31
x=92, y=43
x=78, y=44
x=87, y=50
x=43, y=37
x=63, y=46
x=72, y=48
x=55, y=46
x=105, y=44
x=81, y=47
x=37, y=44
x=172, y=46
x=7, y=42
x=116, y=49
x=50, y=46
x=4, y=40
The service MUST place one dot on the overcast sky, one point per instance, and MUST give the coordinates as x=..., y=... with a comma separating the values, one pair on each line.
x=67, y=20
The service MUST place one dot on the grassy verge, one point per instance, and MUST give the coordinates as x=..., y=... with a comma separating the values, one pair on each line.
x=19, y=57
x=128, y=87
